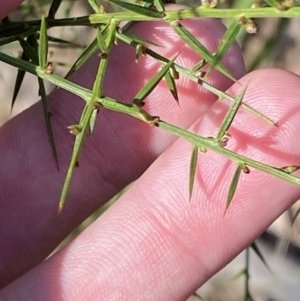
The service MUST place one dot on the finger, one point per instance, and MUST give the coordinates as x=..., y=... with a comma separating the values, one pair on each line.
x=155, y=242
x=119, y=151
x=7, y=6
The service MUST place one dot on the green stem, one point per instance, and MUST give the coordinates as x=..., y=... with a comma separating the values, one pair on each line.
x=213, y=145
x=137, y=112
x=52, y=78
x=100, y=18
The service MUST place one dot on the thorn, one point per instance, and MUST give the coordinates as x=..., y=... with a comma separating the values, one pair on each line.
x=225, y=211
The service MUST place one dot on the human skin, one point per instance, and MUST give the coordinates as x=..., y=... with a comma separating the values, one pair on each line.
x=153, y=243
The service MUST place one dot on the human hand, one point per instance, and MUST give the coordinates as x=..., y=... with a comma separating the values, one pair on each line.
x=153, y=243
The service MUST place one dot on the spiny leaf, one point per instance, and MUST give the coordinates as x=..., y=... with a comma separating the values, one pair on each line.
x=111, y=33
x=273, y=3
x=194, y=78
x=29, y=49
x=102, y=33
x=54, y=8
x=94, y=5
x=43, y=95
x=64, y=43
x=159, y=5
x=93, y=120
x=222, y=95
x=230, y=115
x=101, y=41
x=192, y=41
x=19, y=80
x=5, y=41
x=28, y=53
x=259, y=254
x=239, y=274
x=233, y=184
x=132, y=38
x=209, y=87
x=197, y=296
x=89, y=113
x=86, y=54
x=149, y=87
x=43, y=44
x=18, y=30
x=172, y=86
x=193, y=167
x=199, y=65
x=106, y=42
x=290, y=169
x=228, y=39
x=138, y=9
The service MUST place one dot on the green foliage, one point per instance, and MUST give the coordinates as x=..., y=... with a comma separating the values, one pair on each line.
x=34, y=40
x=193, y=168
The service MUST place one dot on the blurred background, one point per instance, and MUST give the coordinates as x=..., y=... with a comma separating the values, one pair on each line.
x=276, y=44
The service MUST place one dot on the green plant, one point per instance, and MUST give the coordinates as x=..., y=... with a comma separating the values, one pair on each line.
x=34, y=40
